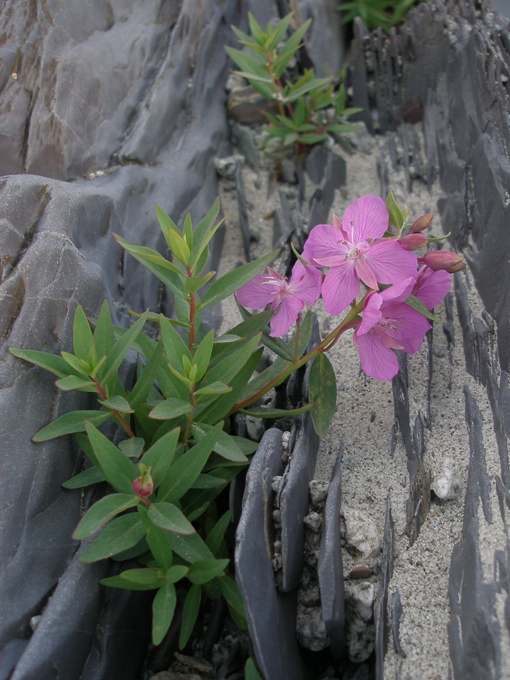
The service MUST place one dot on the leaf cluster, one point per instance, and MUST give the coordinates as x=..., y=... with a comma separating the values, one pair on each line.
x=310, y=108
x=177, y=452
x=376, y=13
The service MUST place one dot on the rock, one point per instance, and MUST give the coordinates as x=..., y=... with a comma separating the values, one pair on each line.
x=361, y=533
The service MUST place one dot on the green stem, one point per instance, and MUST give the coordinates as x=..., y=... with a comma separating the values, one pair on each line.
x=296, y=341
x=118, y=416
x=349, y=321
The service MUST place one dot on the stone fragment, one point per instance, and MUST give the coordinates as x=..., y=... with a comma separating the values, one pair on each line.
x=361, y=533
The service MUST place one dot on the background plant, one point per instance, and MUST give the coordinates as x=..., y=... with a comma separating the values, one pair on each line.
x=376, y=13
x=310, y=109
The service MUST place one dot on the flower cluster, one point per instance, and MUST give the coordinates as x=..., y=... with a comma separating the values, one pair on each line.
x=362, y=248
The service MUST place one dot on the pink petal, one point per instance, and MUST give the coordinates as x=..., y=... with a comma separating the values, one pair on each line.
x=399, y=292
x=364, y=271
x=390, y=262
x=305, y=283
x=257, y=293
x=285, y=316
x=323, y=242
x=340, y=287
x=366, y=218
x=432, y=287
x=371, y=313
x=410, y=325
x=377, y=359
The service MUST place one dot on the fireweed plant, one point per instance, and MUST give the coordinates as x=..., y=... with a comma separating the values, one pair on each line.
x=310, y=109
x=176, y=449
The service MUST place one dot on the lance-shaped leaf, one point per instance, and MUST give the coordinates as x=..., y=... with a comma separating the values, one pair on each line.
x=78, y=383
x=163, y=608
x=104, y=336
x=170, y=408
x=83, y=340
x=136, y=579
x=50, y=362
x=166, y=223
x=168, y=273
x=203, y=571
x=157, y=540
x=70, y=423
x=168, y=516
x=230, y=592
x=223, y=371
x=226, y=447
x=190, y=614
x=202, y=355
x=88, y=477
x=145, y=381
x=190, y=547
x=160, y=455
x=117, y=468
x=216, y=535
x=186, y=469
x=117, y=403
x=418, y=305
x=250, y=671
x=120, y=535
x=322, y=393
x=109, y=369
x=266, y=412
x=102, y=512
x=397, y=215
x=229, y=283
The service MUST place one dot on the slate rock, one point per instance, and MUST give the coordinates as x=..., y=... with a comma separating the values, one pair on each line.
x=330, y=565
x=271, y=614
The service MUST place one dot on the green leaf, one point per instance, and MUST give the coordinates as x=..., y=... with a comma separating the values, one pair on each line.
x=226, y=369
x=102, y=512
x=83, y=340
x=170, y=408
x=163, y=609
x=229, y=283
x=157, y=540
x=185, y=471
x=50, y=362
x=322, y=393
x=203, y=233
x=190, y=547
x=202, y=355
x=117, y=468
x=176, y=573
x=266, y=412
x=203, y=571
x=70, y=423
x=175, y=346
x=133, y=447
x=168, y=516
x=214, y=388
x=92, y=475
x=311, y=138
x=226, y=447
x=397, y=218
x=216, y=535
x=278, y=32
x=418, y=305
x=269, y=374
x=193, y=284
x=117, y=403
x=222, y=406
x=136, y=579
x=165, y=271
x=207, y=482
x=109, y=369
x=250, y=671
x=179, y=247
x=190, y=614
x=166, y=223
x=78, y=365
x=234, y=600
x=144, y=384
x=74, y=382
x=104, y=337
x=121, y=534
x=160, y=456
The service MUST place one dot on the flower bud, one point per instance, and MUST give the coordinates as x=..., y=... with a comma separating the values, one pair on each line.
x=413, y=241
x=422, y=223
x=443, y=259
x=143, y=486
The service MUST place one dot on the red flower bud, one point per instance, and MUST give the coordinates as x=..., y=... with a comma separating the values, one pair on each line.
x=422, y=223
x=413, y=241
x=443, y=259
x=143, y=486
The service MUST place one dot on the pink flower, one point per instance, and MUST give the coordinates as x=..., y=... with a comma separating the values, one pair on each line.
x=286, y=298
x=354, y=249
x=389, y=323
x=432, y=286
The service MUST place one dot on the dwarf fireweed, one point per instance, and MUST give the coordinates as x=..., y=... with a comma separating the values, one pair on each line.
x=177, y=448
